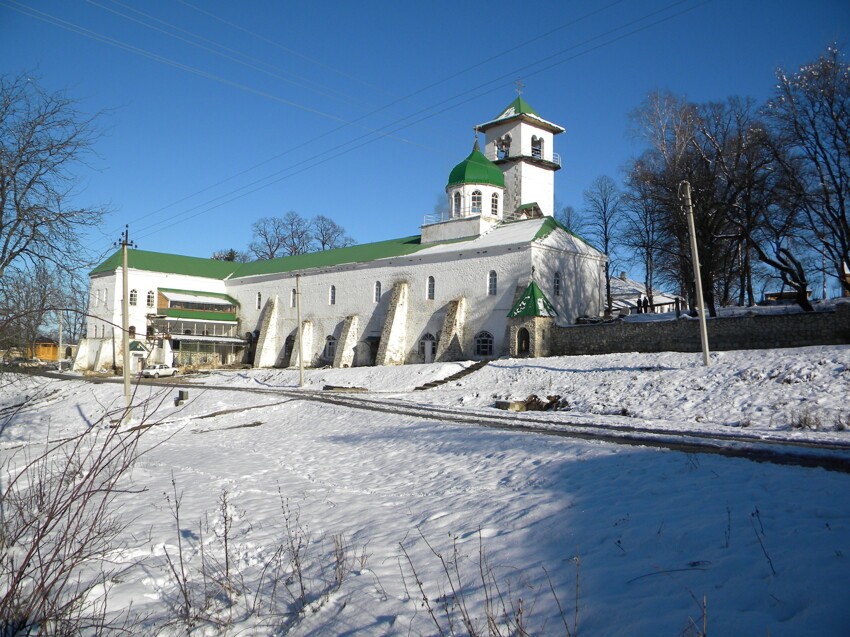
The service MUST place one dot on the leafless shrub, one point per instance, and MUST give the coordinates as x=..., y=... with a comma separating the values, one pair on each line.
x=58, y=528
x=805, y=419
x=841, y=422
x=485, y=604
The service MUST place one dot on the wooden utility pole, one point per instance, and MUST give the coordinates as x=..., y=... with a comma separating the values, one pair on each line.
x=125, y=320
x=703, y=328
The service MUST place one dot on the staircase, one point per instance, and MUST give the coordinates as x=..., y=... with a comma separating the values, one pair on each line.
x=464, y=372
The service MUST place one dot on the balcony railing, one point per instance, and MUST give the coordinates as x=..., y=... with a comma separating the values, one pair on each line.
x=446, y=215
x=492, y=155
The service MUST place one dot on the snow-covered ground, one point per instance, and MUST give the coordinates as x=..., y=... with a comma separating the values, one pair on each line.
x=646, y=535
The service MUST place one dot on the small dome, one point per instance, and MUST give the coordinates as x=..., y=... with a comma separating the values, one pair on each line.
x=476, y=169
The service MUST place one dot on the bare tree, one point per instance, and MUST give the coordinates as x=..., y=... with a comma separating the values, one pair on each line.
x=604, y=218
x=27, y=296
x=231, y=254
x=570, y=218
x=42, y=137
x=810, y=114
x=329, y=235
x=641, y=229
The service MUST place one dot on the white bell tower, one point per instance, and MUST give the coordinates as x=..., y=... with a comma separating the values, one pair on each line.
x=520, y=143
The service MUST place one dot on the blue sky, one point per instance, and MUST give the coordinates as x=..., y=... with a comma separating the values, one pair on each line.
x=218, y=113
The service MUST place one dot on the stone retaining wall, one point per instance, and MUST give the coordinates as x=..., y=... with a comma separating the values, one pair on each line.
x=756, y=331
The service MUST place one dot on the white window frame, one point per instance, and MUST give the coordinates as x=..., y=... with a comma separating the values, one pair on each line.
x=377, y=291
x=430, y=288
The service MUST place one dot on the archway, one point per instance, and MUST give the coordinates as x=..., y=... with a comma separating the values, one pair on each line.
x=523, y=342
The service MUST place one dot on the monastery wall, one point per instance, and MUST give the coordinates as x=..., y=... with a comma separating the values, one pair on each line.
x=758, y=331
x=455, y=275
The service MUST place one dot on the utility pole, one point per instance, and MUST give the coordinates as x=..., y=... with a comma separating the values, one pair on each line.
x=125, y=320
x=59, y=356
x=703, y=328
x=300, y=331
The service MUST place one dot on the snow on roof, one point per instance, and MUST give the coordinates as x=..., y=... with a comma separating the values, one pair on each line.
x=200, y=297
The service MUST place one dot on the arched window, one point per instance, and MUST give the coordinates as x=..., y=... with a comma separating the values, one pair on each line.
x=332, y=295
x=105, y=296
x=259, y=300
x=150, y=298
x=132, y=331
x=134, y=297
x=476, y=202
x=494, y=204
x=377, y=291
x=492, y=283
x=537, y=147
x=429, y=293
x=330, y=348
x=456, y=205
x=556, y=284
x=292, y=297
x=484, y=344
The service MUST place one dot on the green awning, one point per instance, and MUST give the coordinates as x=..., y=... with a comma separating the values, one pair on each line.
x=532, y=302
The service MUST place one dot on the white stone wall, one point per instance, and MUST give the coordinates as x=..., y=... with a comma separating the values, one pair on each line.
x=464, y=274
x=528, y=183
x=582, y=282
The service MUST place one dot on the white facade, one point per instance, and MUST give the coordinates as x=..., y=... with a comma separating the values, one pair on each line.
x=443, y=297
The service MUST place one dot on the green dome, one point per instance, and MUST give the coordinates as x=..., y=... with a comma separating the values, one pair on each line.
x=476, y=169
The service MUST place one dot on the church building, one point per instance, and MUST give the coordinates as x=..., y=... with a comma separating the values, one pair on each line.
x=459, y=290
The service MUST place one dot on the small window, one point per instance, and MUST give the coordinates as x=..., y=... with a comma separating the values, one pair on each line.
x=432, y=284
x=332, y=295
x=537, y=147
x=556, y=284
x=132, y=331
x=377, y=291
x=292, y=297
x=134, y=297
x=259, y=300
x=484, y=344
x=105, y=296
x=476, y=202
x=492, y=283
x=150, y=299
x=330, y=348
x=494, y=204
x=456, y=205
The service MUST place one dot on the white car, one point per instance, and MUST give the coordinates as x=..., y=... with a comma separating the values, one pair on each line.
x=155, y=371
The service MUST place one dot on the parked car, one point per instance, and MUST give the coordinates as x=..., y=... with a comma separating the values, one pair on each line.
x=155, y=371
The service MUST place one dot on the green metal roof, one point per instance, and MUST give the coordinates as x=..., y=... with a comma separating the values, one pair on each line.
x=170, y=263
x=476, y=169
x=361, y=253
x=532, y=302
x=215, y=295
x=518, y=107
x=197, y=315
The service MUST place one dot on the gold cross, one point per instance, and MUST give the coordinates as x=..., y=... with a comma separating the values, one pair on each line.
x=519, y=86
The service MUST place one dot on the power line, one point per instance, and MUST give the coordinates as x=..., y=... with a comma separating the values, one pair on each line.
x=252, y=63
x=361, y=141
x=337, y=151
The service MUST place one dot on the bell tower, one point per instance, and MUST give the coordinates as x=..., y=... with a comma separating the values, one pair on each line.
x=520, y=143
